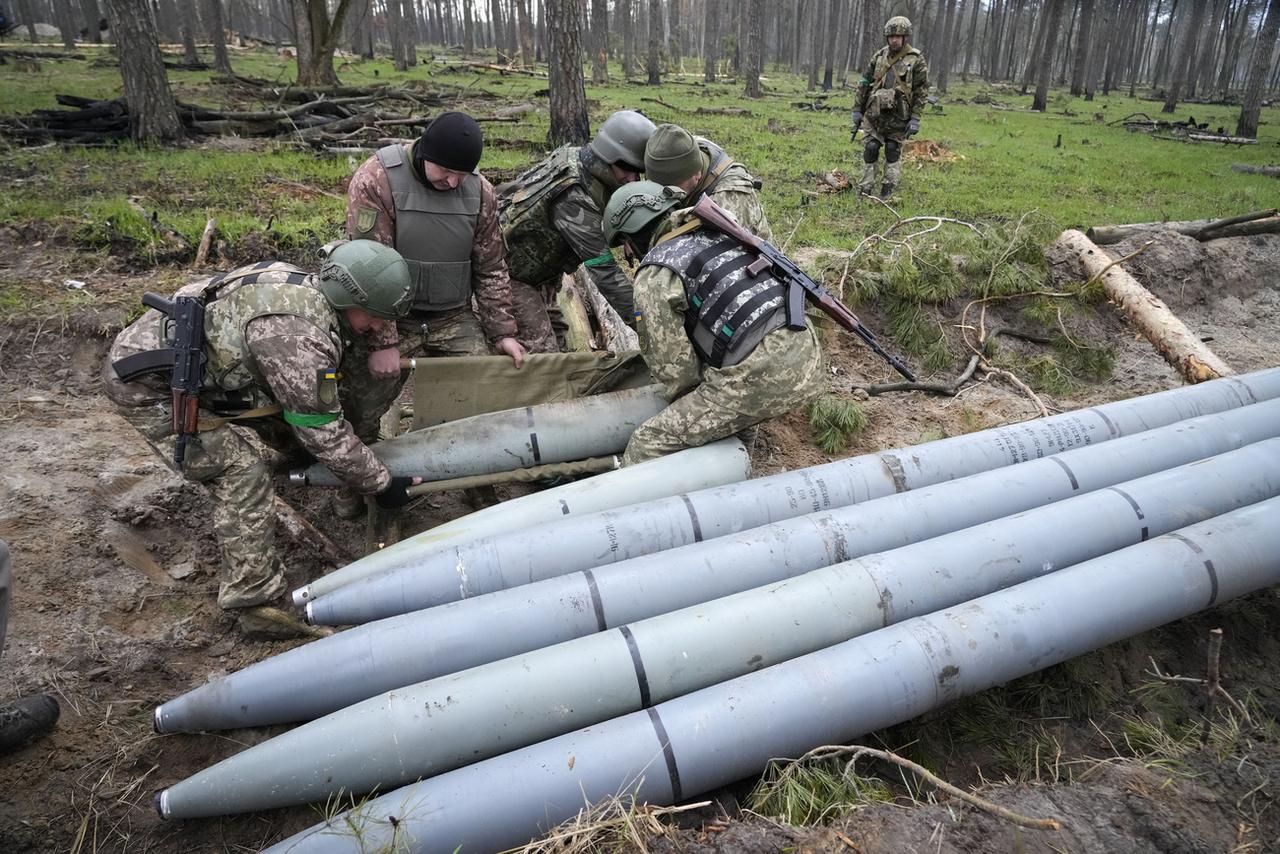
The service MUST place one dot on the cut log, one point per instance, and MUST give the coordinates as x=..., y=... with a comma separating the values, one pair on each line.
x=1225, y=140
x=302, y=532
x=202, y=251
x=618, y=336
x=573, y=307
x=1201, y=229
x=1272, y=171
x=1169, y=335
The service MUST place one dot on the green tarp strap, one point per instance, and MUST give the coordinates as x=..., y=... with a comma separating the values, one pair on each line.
x=310, y=419
x=599, y=260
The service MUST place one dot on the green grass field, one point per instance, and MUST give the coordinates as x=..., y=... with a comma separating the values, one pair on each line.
x=1008, y=163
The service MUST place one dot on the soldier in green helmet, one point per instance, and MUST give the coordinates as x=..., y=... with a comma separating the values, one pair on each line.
x=550, y=218
x=889, y=102
x=277, y=340
x=714, y=335
x=699, y=167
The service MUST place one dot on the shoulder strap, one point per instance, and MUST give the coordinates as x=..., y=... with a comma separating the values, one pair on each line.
x=891, y=60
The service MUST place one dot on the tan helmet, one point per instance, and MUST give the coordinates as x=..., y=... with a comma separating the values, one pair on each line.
x=898, y=25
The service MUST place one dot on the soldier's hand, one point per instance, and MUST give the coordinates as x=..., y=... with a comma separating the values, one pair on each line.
x=397, y=492
x=512, y=348
x=385, y=363
x=913, y=127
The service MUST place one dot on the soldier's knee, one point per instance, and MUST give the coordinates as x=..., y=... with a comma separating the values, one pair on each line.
x=892, y=151
x=871, y=151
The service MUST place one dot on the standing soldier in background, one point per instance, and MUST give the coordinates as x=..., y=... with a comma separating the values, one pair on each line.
x=272, y=346
x=887, y=107
x=676, y=158
x=428, y=202
x=550, y=219
x=713, y=333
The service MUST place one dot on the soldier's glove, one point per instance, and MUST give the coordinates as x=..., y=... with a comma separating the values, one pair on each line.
x=396, y=494
x=857, y=123
x=913, y=127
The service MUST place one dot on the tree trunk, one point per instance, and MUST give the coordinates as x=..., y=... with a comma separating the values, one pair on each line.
x=972, y=44
x=829, y=48
x=1052, y=21
x=754, y=56
x=498, y=26
x=152, y=115
x=813, y=40
x=1251, y=105
x=1183, y=63
x=396, y=35
x=317, y=38
x=655, y=42
x=526, y=33
x=626, y=19
x=711, y=40
x=568, y=92
x=409, y=20
x=1084, y=45
x=599, y=41
x=218, y=35
x=90, y=15
x=948, y=31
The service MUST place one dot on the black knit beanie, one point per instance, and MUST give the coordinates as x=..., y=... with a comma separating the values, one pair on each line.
x=453, y=140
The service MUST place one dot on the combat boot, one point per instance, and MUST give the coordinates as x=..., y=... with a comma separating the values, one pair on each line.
x=892, y=172
x=867, y=186
x=26, y=718
x=263, y=622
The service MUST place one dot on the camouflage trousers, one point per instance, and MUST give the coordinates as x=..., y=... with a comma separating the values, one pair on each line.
x=244, y=516
x=785, y=371
x=540, y=321
x=366, y=398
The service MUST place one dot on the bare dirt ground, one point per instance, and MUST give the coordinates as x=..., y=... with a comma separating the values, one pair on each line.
x=114, y=612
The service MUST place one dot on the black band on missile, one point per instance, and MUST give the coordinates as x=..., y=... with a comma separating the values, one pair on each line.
x=1136, y=509
x=1237, y=384
x=1111, y=425
x=1074, y=483
x=693, y=518
x=641, y=679
x=1208, y=566
x=533, y=444
x=668, y=754
x=595, y=598
x=893, y=466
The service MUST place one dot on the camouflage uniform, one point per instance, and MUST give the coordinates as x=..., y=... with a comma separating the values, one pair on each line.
x=891, y=94
x=731, y=187
x=781, y=369
x=269, y=341
x=551, y=222
x=371, y=215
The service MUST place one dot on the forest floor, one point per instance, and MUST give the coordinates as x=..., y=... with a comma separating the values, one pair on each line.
x=115, y=564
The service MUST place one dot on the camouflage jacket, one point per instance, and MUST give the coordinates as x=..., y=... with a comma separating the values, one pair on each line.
x=733, y=189
x=291, y=360
x=371, y=192
x=552, y=222
x=900, y=95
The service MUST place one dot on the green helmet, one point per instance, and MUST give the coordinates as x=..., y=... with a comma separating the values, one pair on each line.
x=634, y=206
x=621, y=139
x=898, y=25
x=365, y=274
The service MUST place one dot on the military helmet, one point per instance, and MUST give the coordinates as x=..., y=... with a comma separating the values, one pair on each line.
x=634, y=206
x=898, y=25
x=621, y=139
x=366, y=274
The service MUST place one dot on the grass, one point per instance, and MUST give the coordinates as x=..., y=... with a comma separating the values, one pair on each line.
x=814, y=792
x=836, y=422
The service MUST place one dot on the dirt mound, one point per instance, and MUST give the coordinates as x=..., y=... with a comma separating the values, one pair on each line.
x=927, y=149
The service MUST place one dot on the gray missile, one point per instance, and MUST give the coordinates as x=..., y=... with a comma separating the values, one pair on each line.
x=715, y=464
x=446, y=723
x=309, y=681
x=594, y=426
x=695, y=743
x=507, y=560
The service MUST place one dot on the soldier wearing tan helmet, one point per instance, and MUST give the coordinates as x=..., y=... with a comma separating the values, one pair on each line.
x=889, y=102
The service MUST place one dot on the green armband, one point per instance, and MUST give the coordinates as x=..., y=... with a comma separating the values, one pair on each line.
x=310, y=419
x=599, y=260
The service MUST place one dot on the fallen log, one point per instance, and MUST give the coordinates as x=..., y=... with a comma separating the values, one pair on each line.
x=572, y=305
x=1272, y=171
x=1222, y=138
x=618, y=336
x=1201, y=229
x=206, y=238
x=1172, y=339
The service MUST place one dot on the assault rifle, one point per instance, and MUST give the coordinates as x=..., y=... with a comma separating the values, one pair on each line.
x=184, y=359
x=799, y=285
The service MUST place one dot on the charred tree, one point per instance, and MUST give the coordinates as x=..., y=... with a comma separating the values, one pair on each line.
x=626, y=17
x=1052, y=21
x=710, y=39
x=829, y=46
x=152, y=114
x=1251, y=105
x=654, y=65
x=568, y=92
x=91, y=16
x=218, y=36
x=754, y=57
x=599, y=41
x=526, y=33
x=1184, y=63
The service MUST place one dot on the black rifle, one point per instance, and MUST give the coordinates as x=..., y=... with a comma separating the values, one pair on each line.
x=184, y=359
x=799, y=285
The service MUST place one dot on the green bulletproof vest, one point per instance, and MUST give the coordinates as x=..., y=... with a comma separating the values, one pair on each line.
x=435, y=232
x=242, y=296
x=730, y=311
x=536, y=251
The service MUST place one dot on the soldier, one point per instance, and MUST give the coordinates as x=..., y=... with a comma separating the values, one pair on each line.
x=428, y=202
x=699, y=167
x=712, y=334
x=887, y=108
x=277, y=346
x=550, y=219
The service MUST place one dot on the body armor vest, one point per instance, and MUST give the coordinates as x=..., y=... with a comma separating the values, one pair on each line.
x=240, y=297
x=536, y=251
x=722, y=172
x=435, y=232
x=729, y=311
x=892, y=87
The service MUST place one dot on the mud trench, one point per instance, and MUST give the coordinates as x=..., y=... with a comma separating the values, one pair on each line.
x=115, y=579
